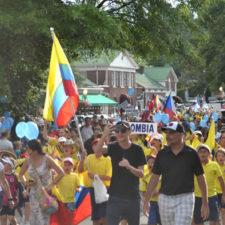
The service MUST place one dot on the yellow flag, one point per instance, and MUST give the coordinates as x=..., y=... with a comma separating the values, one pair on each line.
x=211, y=136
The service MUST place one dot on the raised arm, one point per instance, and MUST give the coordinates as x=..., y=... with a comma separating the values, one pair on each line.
x=100, y=145
x=52, y=165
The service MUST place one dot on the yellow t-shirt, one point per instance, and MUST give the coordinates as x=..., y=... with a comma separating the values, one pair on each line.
x=139, y=142
x=188, y=142
x=19, y=163
x=218, y=187
x=164, y=138
x=99, y=166
x=67, y=187
x=144, y=184
x=212, y=172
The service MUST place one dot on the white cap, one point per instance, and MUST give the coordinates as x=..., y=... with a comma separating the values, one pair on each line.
x=8, y=161
x=159, y=137
x=203, y=146
x=62, y=139
x=68, y=159
x=198, y=132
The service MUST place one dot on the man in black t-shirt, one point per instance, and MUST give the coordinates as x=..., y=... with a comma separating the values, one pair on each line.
x=177, y=164
x=128, y=162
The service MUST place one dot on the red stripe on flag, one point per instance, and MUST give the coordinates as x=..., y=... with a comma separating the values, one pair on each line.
x=83, y=211
x=70, y=88
x=66, y=112
x=64, y=217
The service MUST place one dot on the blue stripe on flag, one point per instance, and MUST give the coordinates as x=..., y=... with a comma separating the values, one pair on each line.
x=59, y=100
x=79, y=197
x=66, y=72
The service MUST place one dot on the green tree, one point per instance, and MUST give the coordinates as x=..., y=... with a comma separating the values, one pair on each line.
x=146, y=28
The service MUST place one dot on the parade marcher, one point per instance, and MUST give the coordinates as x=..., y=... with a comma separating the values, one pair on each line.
x=8, y=213
x=5, y=186
x=18, y=148
x=156, y=144
x=88, y=144
x=220, y=158
x=97, y=164
x=222, y=139
x=71, y=151
x=177, y=163
x=128, y=162
x=39, y=164
x=154, y=217
x=68, y=185
x=86, y=130
x=5, y=144
x=212, y=173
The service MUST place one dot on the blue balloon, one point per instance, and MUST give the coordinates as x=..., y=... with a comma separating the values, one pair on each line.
x=203, y=123
x=192, y=126
x=205, y=118
x=130, y=91
x=215, y=117
x=158, y=117
x=165, y=119
x=32, y=131
x=21, y=129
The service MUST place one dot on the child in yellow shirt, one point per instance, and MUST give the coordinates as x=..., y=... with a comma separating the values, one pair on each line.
x=212, y=173
x=220, y=158
x=96, y=164
x=68, y=185
x=154, y=217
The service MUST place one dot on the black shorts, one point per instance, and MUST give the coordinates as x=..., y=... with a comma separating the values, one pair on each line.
x=213, y=209
x=7, y=211
x=220, y=204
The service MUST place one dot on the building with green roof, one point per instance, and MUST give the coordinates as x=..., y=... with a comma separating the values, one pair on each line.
x=150, y=81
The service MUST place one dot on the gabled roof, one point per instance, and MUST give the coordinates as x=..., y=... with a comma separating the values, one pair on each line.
x=147, y=82
x=111, y=58
x=103, y=59
x=157, y=73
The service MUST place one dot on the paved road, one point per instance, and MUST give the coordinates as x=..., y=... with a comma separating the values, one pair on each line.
x=88, y=221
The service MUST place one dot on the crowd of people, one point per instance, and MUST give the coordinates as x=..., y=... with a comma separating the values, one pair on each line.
x=177, y=174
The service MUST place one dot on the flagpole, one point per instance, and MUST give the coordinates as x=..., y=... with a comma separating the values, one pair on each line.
x=74, y=114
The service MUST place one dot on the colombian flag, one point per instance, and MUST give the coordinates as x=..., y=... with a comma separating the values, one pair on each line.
x=62, y=95
x=83, y=210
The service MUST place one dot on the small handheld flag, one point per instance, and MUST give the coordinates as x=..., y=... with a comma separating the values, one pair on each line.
x=169, y=108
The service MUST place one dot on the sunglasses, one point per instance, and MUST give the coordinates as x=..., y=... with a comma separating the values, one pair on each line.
x=120, y=129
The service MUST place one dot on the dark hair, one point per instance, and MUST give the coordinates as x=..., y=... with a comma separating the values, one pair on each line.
x=35, y=145
x=5, y=133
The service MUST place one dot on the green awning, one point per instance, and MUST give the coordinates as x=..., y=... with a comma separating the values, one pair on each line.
x=98, y=100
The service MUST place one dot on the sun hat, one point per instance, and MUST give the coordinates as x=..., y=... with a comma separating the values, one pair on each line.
x=8, y=161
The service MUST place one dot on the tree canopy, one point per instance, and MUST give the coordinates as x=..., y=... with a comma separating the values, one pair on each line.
x=146, y=28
